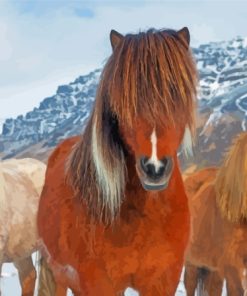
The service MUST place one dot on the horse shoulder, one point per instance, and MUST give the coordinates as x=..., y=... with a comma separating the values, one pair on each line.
x=55, y=201
x=55, y=185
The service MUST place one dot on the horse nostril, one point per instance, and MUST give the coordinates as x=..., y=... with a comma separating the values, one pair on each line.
x=168, y=163
x=143, y=162
x=161, y=171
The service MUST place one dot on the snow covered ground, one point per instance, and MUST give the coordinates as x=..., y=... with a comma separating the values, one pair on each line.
x=10, y=285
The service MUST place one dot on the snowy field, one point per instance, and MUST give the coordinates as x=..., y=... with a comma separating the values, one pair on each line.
x=10, y=285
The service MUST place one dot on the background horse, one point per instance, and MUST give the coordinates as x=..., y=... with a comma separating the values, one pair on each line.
x=21, y=182
x=218, y=205
x=113, y=212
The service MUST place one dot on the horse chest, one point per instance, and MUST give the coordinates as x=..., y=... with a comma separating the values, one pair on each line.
x=129, y=258
x=137, y=228
x=124, y=246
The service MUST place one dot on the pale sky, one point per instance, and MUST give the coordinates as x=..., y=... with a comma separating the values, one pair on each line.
x=45, y=43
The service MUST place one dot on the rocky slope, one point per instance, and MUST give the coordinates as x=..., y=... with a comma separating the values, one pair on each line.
x=222, y=108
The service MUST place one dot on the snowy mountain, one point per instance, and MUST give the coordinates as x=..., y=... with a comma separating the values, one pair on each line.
x=56, y=118
x=222, y=107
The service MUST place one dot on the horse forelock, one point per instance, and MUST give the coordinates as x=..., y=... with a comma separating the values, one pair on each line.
x=151, y=75
x=231, y=181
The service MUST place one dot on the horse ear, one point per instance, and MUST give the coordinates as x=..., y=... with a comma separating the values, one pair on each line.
x=184, y=35
x=115, y=38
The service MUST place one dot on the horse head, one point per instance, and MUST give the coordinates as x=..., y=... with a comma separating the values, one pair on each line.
x=143, y=109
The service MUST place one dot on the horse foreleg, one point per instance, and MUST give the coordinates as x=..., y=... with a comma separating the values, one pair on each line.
x=190, y=279
x=213, y=283
x=233, y=282
x=27, y=275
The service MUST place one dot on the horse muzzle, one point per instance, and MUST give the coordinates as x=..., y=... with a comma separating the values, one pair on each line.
x=154, y=176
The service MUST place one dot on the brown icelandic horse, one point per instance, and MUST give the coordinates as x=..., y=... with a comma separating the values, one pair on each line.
x=113, y=212
x=218, y=206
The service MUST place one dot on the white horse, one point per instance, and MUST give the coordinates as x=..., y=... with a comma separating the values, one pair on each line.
x=21, y=182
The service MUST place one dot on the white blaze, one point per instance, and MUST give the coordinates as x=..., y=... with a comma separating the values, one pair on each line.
x=154, y=159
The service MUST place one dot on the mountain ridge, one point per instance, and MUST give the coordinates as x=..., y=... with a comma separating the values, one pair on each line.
x=221, y=113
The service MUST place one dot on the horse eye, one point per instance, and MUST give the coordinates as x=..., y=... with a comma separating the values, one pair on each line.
x=113, y=120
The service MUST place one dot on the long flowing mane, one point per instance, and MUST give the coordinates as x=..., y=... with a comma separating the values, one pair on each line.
x=150, y=75
x=231, y=181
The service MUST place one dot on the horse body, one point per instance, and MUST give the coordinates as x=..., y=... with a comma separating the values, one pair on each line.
x=132, y=252
x=206, y=221
x=113, y=212
x=21, y=185
x=217, y=242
